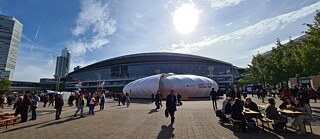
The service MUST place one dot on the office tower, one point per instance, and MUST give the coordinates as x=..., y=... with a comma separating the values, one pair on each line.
x=63, y=63
x=10, y=35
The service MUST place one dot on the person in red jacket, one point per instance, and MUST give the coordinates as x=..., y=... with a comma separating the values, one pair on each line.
x=313, y=94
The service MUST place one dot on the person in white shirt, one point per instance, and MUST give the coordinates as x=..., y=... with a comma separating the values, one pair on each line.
x=91, y=105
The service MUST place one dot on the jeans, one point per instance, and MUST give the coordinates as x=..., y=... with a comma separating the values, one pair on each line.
x=34, y=114
x=91, y=109
x=171, y=113
x=214, y=104
x=80, y=109
x=58, y=112
x=102, y=105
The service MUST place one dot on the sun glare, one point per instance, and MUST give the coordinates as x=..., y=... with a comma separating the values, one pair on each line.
x=186, y=18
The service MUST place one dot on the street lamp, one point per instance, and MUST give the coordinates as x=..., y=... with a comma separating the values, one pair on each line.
x=210, y=69
x=98, y=80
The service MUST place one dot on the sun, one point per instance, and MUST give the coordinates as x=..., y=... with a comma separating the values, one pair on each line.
x=186, y=18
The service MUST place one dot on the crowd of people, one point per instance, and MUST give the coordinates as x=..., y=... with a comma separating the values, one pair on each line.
x=296, y=99
x=23, y=104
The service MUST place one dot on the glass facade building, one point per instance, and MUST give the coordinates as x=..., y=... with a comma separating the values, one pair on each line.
x=119, y=71
x=10, y=35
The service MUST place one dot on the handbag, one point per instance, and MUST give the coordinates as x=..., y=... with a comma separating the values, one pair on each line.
x=166, y=113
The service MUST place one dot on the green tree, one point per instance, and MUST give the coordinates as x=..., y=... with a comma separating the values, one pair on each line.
x=4, y=85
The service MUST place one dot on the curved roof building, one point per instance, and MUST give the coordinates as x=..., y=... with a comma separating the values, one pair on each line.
x=119, y=71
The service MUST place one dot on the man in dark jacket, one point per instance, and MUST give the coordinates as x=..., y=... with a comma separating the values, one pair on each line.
x=58, y=105
x=179, y=99
x=214, y=97
x=252, y=106
x=171, y=105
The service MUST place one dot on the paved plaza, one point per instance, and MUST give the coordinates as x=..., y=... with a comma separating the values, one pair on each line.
x=194, y=119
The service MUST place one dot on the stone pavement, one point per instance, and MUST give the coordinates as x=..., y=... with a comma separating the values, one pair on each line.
x=194, y=119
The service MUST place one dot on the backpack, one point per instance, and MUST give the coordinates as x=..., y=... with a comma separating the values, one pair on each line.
x=219, y=113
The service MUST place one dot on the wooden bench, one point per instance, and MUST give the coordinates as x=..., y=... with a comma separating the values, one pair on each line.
x=10, y=121
x=234, y=122
x=264, y=120
x=308, y=122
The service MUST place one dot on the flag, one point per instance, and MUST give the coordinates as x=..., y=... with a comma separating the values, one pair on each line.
x=101, y=84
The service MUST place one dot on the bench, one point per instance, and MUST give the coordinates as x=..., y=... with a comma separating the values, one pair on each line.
x=234, y=122
x=264, y=120
x=308, y=122
x=9, y=121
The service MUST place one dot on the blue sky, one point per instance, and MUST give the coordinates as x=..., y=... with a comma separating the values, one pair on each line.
x=95, y=30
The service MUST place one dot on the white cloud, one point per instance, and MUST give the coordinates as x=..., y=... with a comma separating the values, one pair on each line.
x=217, y=4
x=31, y=73
x=229, y=24
x=138, y=15
x=94, y=18
x=256, y=30
x=269, y=47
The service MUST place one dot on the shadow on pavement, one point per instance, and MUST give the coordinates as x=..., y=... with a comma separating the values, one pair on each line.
x=27, y=126
x=152, y=111
x=58, y=122
x=166, y=132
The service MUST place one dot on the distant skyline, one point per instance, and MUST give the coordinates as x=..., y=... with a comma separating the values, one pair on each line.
x=95, y=30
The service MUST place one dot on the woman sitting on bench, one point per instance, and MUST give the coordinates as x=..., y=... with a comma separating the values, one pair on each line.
x=299, y=120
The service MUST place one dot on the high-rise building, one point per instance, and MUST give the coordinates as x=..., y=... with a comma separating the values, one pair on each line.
x=63, y=63
x=10, y=35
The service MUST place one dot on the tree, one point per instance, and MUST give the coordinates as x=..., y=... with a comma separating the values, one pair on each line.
x=4, y=85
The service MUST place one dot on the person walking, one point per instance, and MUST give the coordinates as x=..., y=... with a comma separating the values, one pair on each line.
x=17, y=106
x=80, y=105
x=213, y=95
x=102, y=101
x=179, y=99
x=25, y=107
x=51, y=100
x=45, y=100
x=91, y=105
x=152, y=98
x=171, y=105
x=127, y=99
x=263, y=94
x=158, y=100
x=34, y=105
x=58, y=106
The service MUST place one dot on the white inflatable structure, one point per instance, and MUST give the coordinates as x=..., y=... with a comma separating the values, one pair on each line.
x=189, y=86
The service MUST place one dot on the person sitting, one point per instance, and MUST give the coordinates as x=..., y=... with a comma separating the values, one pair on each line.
x=224, y=103
x=228, y=107
x=286, y=102
x=236, y=114
x=299, y=120
x=252, y=106
x=273, y=114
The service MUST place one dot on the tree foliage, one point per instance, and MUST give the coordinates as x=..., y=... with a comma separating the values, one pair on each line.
x=4, y=85
x=294, y=59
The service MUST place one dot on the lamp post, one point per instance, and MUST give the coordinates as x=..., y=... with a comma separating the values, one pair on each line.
x=98, y=80
x=210, y=69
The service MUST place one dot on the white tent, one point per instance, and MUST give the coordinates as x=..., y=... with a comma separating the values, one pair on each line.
x=189, y=86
